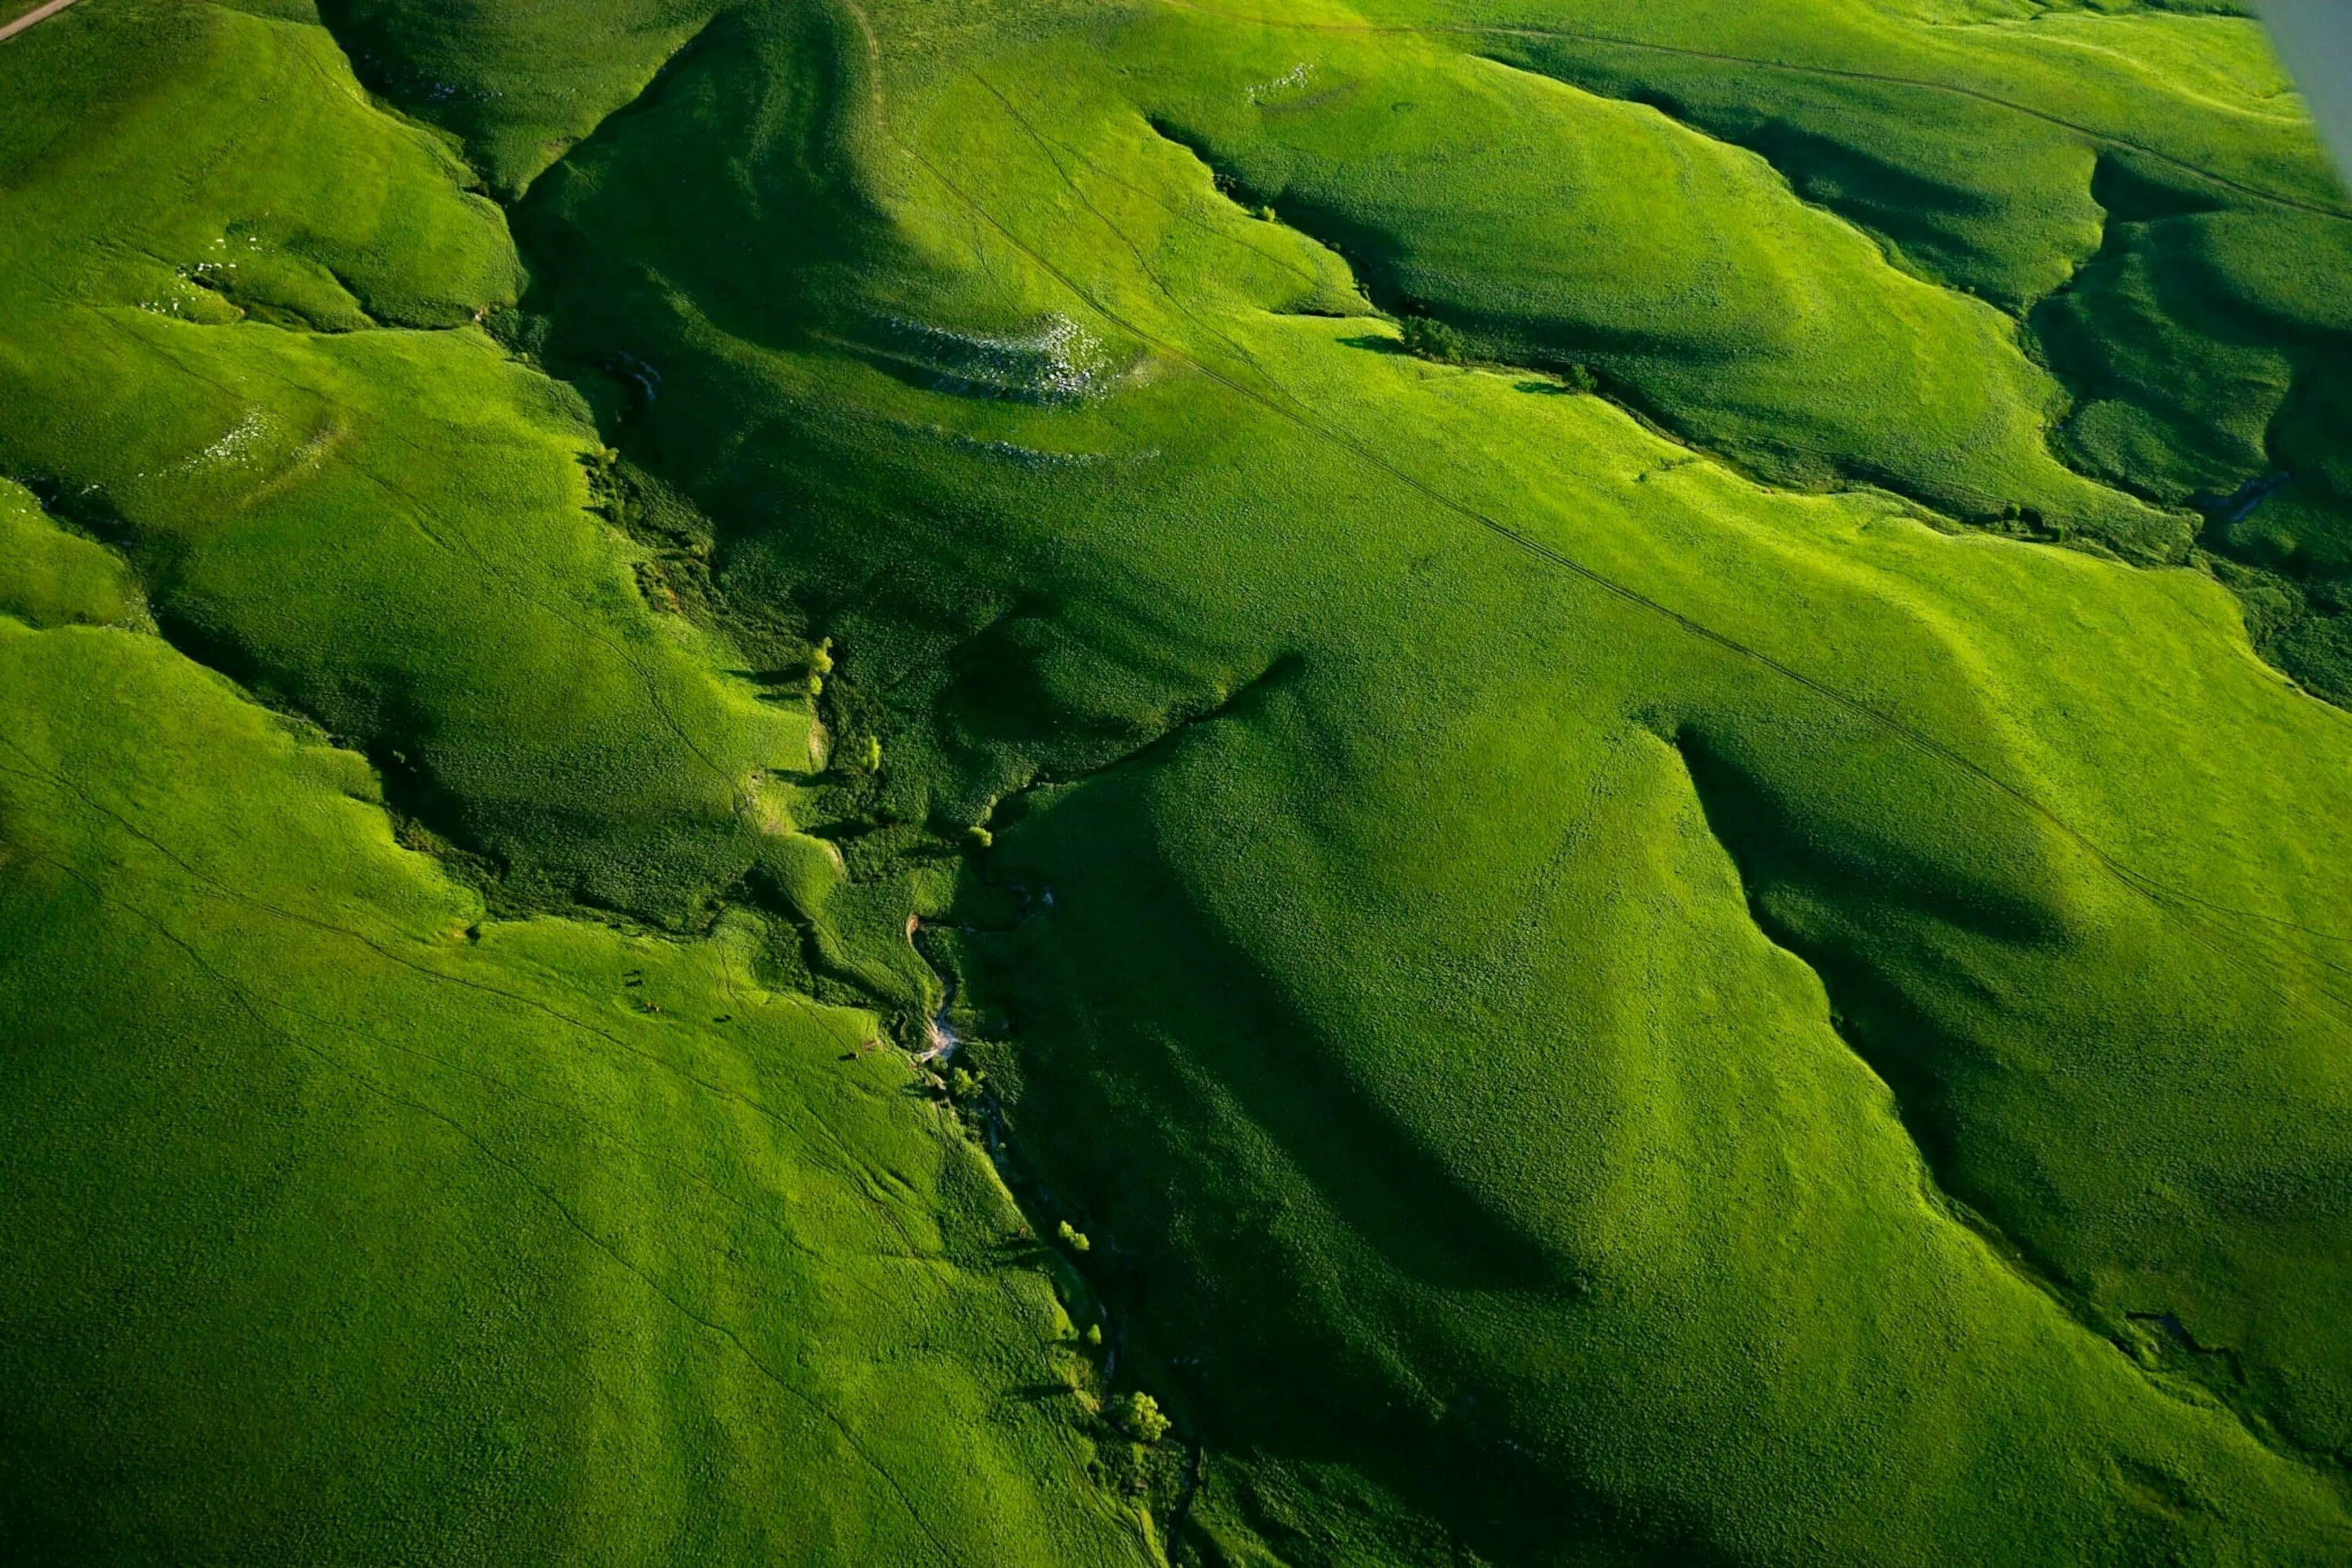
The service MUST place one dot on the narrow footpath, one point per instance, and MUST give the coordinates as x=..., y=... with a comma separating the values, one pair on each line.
x=38, y=15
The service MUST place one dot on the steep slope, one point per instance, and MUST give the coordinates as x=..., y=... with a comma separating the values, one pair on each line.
x=2138, y=184
x=342, y=1218
x=343, y=1225
x=1417, y=686
x=1587, y=1005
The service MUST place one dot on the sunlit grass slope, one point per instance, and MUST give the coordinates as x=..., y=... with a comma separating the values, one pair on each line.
x=1556, y=229
x=1589, y=1007
x=222, y=265
x=344, y=1223
x=373, y=1233
x=1352, y=1021
x=2139, y=185
x=55, y=578
x=458, y=63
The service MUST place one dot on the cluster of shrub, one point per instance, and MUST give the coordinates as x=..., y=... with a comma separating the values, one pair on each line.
x=1133, y=1415
x=1432, y=338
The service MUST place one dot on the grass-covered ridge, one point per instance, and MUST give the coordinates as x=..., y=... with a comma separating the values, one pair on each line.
x=398, y=1233
x=1593, y=972
x=2139, y=186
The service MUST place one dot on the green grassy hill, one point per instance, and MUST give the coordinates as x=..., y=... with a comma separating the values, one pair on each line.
x=1609, y=738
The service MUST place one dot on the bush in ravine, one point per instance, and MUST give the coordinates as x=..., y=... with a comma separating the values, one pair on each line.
x=1137, y=1416
x=1073, y=1237
x=1435, y=339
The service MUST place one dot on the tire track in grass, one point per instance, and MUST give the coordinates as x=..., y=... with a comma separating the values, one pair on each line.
x=2181, y=906
x=205, y=881
x=1901, y=729
x=457, y=540
x=2177, y=904
x=517, y=998
x=253, y=1009
x=1134, y=249
x=1181, y=215
x=2004, y=1251
x=825, y=1021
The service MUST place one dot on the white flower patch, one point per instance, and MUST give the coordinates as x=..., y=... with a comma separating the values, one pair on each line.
x=1295, y=77
x=241, y=445
x=1059, y=362
x=175, y=304
x=1024, y=456
x=1077, y=362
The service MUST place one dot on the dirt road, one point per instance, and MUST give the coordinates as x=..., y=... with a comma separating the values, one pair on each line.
x=38, y=13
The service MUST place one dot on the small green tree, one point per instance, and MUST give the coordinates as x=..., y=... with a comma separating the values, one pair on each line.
x=1073, y=1237
x=1435, y=339
x=1137, y=1416
x=965, y=1084
x=1094, y=1336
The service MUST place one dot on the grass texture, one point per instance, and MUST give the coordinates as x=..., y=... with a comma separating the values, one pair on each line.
x=1582, y=713
x=395, y=1235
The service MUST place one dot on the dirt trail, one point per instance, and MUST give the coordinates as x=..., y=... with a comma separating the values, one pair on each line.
x=38, y=13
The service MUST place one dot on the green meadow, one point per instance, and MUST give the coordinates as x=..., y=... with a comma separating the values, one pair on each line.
x=888, y=781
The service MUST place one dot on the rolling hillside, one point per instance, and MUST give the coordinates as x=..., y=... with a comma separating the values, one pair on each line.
x=1582, y=768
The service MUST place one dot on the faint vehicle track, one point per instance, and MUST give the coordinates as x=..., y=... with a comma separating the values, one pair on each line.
x=2208, y=924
